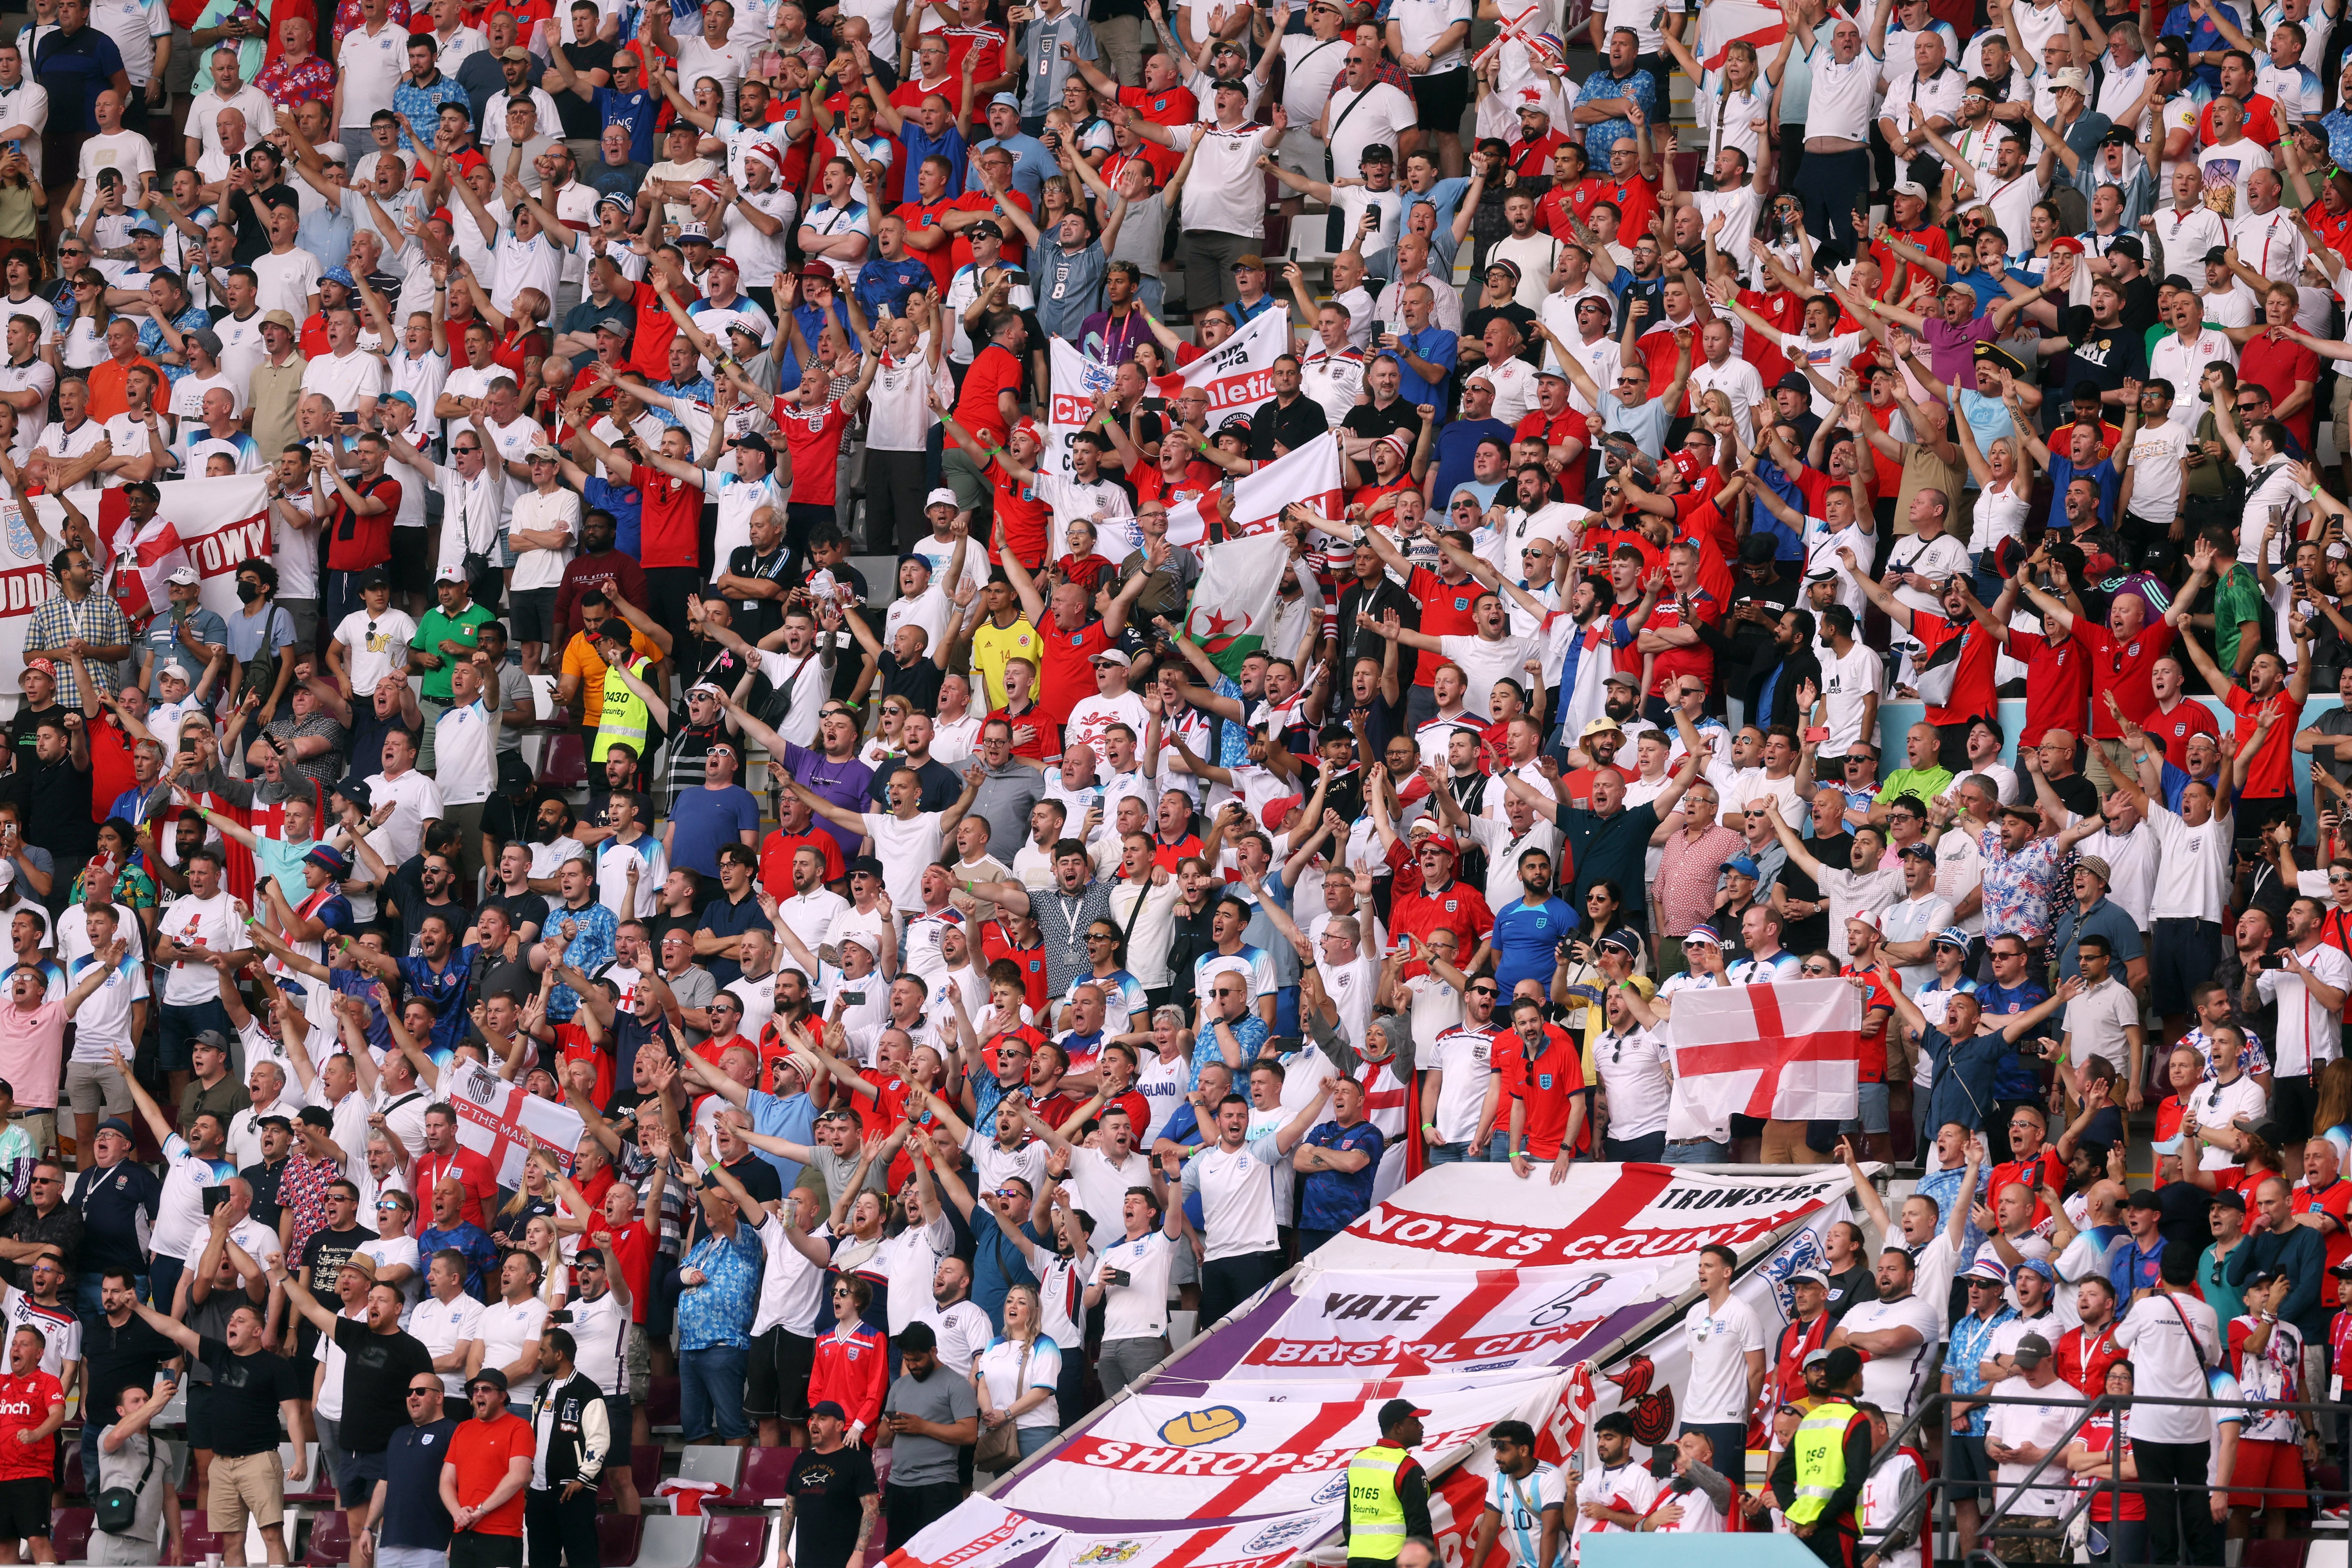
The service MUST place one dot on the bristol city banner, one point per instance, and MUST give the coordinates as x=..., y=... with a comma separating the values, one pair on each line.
x=1790, y=1051
x=1371, y=1325
x=1226, y=1456
x=1610, y=1214
x=498, y=1122
x=1237, y=376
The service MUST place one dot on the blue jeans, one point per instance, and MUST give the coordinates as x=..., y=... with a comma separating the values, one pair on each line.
x=1449, y=1153
x=1032, y=1439
x=1699, y=1154
x=710, y=1393
x=183, y=1024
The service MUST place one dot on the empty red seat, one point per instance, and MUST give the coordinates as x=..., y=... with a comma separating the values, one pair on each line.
x=617, y=1535
x=73, y=1481
x=735, y=1541
x=765, y=1471
x=69, y=1533
x=662, y=1403
x=565, y=765
x=198, y=1542
x=330, y=1539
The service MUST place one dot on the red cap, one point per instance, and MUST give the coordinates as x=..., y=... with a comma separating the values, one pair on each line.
x=2067, y=242
x=1275, y=810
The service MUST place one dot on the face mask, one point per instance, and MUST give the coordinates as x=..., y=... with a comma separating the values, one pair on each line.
x=247, y=593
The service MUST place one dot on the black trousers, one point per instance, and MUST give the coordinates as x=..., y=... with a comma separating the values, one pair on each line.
x=560, y=1531
x=1227, y=1283
x=2180, y=1527
x=907, y=1511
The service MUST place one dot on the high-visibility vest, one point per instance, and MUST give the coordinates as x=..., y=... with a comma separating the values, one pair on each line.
x=624, y=718
x=1819, y=1448
x=1375, y=1512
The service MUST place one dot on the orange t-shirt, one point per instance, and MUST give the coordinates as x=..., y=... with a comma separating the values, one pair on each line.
x=482, y=1450
x=108, y=396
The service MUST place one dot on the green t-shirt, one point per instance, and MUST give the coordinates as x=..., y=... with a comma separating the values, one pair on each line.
x=2236, y=598
x=438, y=625
x=1927, y=783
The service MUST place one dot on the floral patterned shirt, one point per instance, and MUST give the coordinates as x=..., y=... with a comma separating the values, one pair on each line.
x=312, y=82
x=2018, y=887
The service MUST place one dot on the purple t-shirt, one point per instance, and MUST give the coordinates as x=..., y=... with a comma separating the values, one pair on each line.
x=1953, y=350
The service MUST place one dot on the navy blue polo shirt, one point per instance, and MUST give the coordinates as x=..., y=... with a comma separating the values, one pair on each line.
x=75, y=68
x=1331, y=1200
x=413, y=1515
x=110, y=1201
x=720, y=918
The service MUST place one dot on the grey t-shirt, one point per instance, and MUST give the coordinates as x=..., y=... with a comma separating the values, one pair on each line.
x=694, y=989
x=123, y=1468
x=829, y=1173
x=1143, y=233
x=1069, y=285
x=943, y=1397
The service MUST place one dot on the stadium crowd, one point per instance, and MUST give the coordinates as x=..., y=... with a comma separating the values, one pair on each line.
x=1085, y=967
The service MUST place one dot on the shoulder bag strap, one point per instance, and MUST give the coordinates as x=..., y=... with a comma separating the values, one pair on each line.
x=2190, y=1330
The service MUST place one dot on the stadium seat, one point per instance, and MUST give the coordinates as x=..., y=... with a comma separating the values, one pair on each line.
x=662, y=1405
x=330, y=1539
x=765, y=1470
x=198, y=1543
x=566, y=762
x=618, y=1536
x=737, y=1541
x=644, y=1468
x=670, y=1542
x=69, y=1533
x=2275, y=1553
x=317, y=1485
x=712, y=1462
x=74, y=1485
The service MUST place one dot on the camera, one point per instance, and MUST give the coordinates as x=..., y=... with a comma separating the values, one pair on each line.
x=2272, y=961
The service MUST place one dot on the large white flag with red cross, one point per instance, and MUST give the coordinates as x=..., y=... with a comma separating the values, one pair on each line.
x=1789, y=1052
x=502, y=1123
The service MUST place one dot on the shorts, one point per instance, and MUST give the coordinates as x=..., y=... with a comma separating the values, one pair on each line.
x=778, y=1380
x=1873, y=1108
x=1968, y=1472
x=530, y=614
x=640, y=1367
x=411, y=567
x=356, y=1477
x=617, y=1417
x=246, y=1484
x=25, y=1509
x=2267, y=1463
x=1183, y=1267
x=473, y=1549
x=1441, y=97
x=1301, y=153
x=180, y=75
x=199, y=1416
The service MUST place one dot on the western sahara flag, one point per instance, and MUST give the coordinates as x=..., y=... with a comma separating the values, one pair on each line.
x=1789, y=1051
x=1233, y=602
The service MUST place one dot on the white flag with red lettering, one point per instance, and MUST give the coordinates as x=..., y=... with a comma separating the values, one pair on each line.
x=502, y=1123
x=1789, y=1052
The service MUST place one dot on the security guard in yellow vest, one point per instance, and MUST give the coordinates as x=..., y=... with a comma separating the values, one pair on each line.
x=1388, y=1493
x=624, y=716
x=1819, y=1478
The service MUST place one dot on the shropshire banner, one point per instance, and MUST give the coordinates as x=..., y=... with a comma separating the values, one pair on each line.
x=1226, y=1455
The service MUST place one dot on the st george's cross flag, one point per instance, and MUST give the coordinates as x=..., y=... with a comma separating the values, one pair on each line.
x=1789, y=1052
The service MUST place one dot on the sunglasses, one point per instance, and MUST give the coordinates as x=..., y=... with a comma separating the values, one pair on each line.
x=421, y=1392
x=1484, y=991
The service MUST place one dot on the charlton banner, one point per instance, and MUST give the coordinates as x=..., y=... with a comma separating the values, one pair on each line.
x=1226, y=1456
x=498, y=1122
x=1346, y=1324
x=1237, y=376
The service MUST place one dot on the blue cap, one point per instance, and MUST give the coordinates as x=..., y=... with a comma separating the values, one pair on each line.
x=1743, y=864
x=2035, y=1266
x=1005, y=98
x=341, y=275
x=143, y=224
x=407, y=397
x=1950, y=936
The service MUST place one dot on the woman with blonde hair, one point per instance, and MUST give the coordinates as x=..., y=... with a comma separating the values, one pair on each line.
x=1014, y=1378
x=81, y=340
x=540, y=1240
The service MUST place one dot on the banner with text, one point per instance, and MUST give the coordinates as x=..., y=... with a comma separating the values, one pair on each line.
x=498, y=1122
x=1237, y=376
x=217, y=524
x=1226, y=1455
x=1611, y=1216
x=1309, y=475
x=1367, y=1325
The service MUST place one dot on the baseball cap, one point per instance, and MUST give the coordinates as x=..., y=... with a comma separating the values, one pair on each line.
x=1112, y=656
x=185, y=576
x=174, y=670
x=1619, y=677
x=1397, y=1410
x=1624, y=941
x=1809, y=1276
x=940, y=497
x=1910, y=188
x=1744, y=865
x=1005, y=98
x=2033, y=1350
x=452, y=572
x=1920, y=851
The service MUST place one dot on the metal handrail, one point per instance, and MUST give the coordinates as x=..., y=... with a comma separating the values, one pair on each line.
x=1935, y=1488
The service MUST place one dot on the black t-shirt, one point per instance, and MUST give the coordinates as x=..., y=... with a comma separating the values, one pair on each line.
x=376, y=1372
x=2102, y=355
x=826, y=1489
x=22, y=725
x=1813, y=933
x=324, y=1255
x=759, y=1179
x=2078, y=793
x=247, y=1390
x=578, y=114
x=917, y=682
x=120, y=1358
x=755, y=619
x=1372, y=423
x=522, y=909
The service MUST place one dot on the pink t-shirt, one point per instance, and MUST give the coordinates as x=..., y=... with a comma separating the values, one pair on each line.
x=32, y=1047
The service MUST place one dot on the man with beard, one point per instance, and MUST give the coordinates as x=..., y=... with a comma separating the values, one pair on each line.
x=600, y=567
